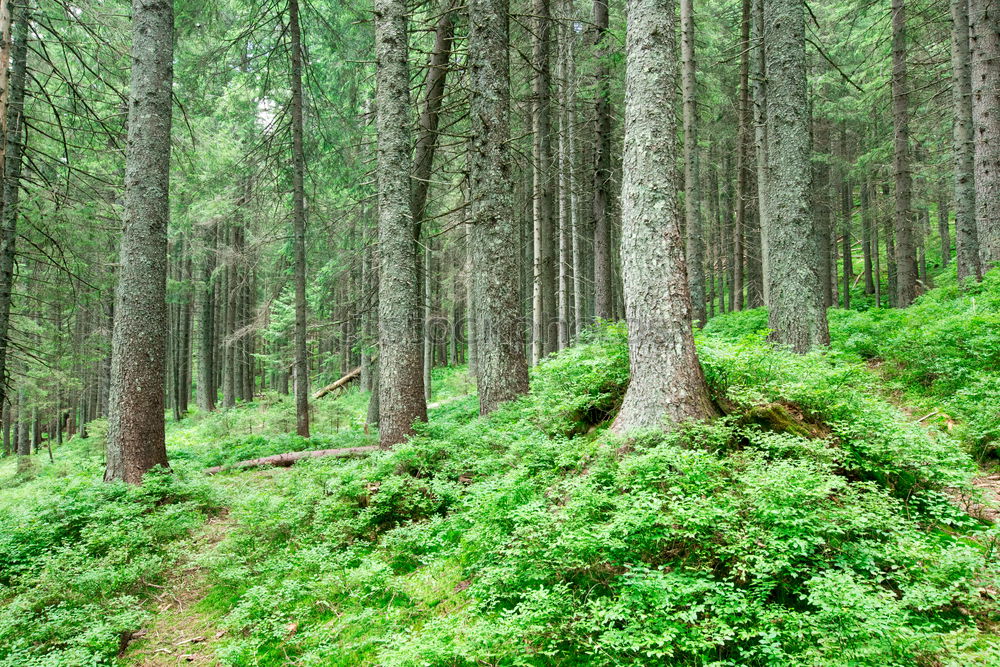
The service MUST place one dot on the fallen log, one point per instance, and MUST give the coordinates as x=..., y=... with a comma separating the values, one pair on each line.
x=338, y=384
x=289, y=458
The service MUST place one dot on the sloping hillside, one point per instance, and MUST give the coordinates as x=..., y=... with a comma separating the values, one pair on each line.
x=823, y=520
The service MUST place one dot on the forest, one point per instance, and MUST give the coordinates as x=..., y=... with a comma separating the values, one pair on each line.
x=499, y=332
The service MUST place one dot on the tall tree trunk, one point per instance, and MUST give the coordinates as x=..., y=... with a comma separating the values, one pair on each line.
x=944, y=228
x=428, y=351
x=13, y=147
x=6, y=45
x=727, y=226
x=877, y=259
x=135, y=424
x=602, y=167
x=501, y=368
x=21, y=430
x=846, y=211
x=205, y=306
x=796, y=312
x=822, y=210
x=427, y=133
x=984, y=41
x=744, y=180
x=401, y=381
x=7, y=416
x=425, y=147
x=692, y=177
x=759, y=108
x=847, y=268
x=229, y=289
x=666, y=384
x=711, y=253
x=577, y=226
x=564, y=264
x=890, y=254
x=470, y=292
x=906, y=266
x=963, y=146
x=543, y=293
x=299, y=227
x=867, y=238
x=186, y=343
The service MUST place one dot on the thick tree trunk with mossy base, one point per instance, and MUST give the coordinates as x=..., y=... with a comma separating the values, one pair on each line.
x=984, y=41
x=401, y=379
x=138, y=345
x=667, y=385
x=501, y=367
x=797, y=316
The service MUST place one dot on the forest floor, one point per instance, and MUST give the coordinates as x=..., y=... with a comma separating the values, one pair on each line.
x=392, y=559
x=989, y=484
x=183, y=631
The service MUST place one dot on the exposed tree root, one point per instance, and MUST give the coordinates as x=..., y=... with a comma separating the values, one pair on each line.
x=781, y=417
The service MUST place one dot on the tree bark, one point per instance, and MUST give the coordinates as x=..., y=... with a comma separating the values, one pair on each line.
x=135, y=424
x=944, y=229
x=822, y=213
x=427, y=133
x=299, y=226
x=401, y=382
x=501, y=368
x=7, y=415
x=13, y=147
x=906, y=266
x=759, y=107
x=6, y=45
x=984, y=41
x=543, y=292
x=564, y=264
x=602, y=167
x=867, y=238
x=742, y=180
x=667, y=385
x=342, y=382
x=890, y=253
x=427, y=313
x=692, y=176
x=205, y=307
x=577, y=226
x=797, y=315
x=963, y=146
x=877, y=259
x=229, y=287
x=846, y=212
x=423, y=161
x=287, y=459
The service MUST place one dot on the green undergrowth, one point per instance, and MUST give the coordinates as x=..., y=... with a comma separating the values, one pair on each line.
x=941, y=355
x=813, y=524
x=79, y=557
x=535, y=537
